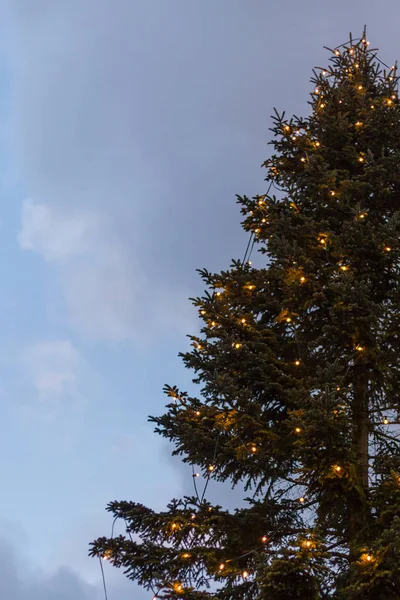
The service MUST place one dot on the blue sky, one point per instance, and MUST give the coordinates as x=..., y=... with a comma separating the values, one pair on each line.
x=126, y=129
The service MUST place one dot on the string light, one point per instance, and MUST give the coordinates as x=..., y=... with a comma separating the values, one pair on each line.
x=302, y=279
x=360, y=87
x=359, y=348
x=221, y=567
x=211, y=468
x=196, y=474
x=386, y=421
x=388, y=249
x=322, y=105
x=203, y=312
x=254, y=448
x=302, y=500
x=186, y=555
x=360, y=159
x=359, y=124
x=297, y=363
x=298, y=430
x=288, y=320
x=344, y=268
x=317, y=144
x=337, y=468
x=237, y=345
x=245, y=574
x=366, y=557
x=264, y=539
x=333, y=193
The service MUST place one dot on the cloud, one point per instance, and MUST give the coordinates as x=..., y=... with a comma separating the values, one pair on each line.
x=22, y=580
x=55, y=234
x=105, y=294
x=52, y=390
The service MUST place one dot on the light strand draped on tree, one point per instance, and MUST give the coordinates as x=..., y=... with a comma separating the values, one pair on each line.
x=299, y=373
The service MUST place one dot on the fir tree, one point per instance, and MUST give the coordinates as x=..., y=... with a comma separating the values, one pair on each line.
x=299, y=373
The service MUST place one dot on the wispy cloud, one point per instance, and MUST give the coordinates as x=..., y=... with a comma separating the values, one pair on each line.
x=105, y=293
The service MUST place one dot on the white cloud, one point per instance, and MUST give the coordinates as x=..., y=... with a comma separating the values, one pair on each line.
x=51, y=375
x=106, y=295
x=55, y=234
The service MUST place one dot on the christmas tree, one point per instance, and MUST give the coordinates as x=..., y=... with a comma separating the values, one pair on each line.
x=299, y=375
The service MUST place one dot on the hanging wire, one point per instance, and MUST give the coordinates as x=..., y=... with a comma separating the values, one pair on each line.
x=104, y=580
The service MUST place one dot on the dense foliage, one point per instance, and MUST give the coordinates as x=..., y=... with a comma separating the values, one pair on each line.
x=298, y=368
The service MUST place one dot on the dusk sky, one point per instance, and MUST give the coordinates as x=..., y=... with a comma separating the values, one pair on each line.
x=126, y=129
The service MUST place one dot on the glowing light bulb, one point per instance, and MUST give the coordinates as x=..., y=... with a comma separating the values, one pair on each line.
x=338, y=389
x=388, y=249
x=322, y=105
x=302, y=500
x=360, y=159
x=254, y=448
x=243, y=321
x=359, y=348
x=202, y=312
x=359, y=124
x=237, y=346
x=218, y=293
x=317, y=144
x=337, y=52
x=196, y=475
x=288, y=320
x=211, y=468
x=337, y=468
x=324, y=73
x=372, y=106
x=385, y=421
x=245, y=574
x=264, y=539
x=287, y=128
x=198, y=413
x=302, y=279
x=316, y=91
x=333, y=193
x=257, y=230
x=174, y=526
x=344, y=268
x=303, y=159
x=389, y=101
x=298, y=430
x=307, y=544
x=186, y=555
x=213, y=323
x=360, y=87
x=297, y=363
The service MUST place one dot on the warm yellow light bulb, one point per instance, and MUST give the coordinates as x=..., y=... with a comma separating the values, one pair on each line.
x=372, y=106
x=287, y=128
x=360, y=87
x=298, y=430
x=337, y=468
x=359, y=124
x=245, y=574
x=243, y=321
x=338, y=389
x=202, y=312
x=254, y=448
x=302, y=279
x=297, y=363
x=388, y=249
x=322, y=105
x=196, y=475
x=237, y=346
x=359, y=348
x=186, y=555
x=218, y=293
x=211, y=468
x=360, y=159
x=385, y=421
x=303, y=159
x=317, y=144
x=302, y=500
x=221, y=567
x=264, y=539
x=337, y=52
x=288, y=320
x=389, y=101
x=344, y=268
x=198, y=413
x=333, y=193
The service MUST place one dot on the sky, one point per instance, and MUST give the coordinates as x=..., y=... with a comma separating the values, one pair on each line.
x=126, y=129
